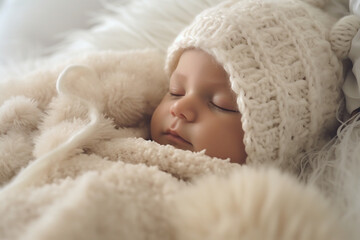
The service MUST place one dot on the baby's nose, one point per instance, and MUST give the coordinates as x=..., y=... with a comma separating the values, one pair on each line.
x=184, y=108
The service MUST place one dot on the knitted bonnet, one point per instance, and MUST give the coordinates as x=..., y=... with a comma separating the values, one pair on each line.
x=281, y=65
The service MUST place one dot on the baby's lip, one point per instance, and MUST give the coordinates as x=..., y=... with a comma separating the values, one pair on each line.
x=177, y=137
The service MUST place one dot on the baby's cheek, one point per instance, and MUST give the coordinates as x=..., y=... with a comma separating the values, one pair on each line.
x=158, y=121
x=154, y=126
x=223, y=139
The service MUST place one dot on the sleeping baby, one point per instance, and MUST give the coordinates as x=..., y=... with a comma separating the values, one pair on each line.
x=257, y=86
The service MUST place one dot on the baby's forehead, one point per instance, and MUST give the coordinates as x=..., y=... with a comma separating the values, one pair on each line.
x=200, y=60
x=195, y=61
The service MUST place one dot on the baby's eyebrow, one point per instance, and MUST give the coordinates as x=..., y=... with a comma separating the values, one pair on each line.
x=183, y=77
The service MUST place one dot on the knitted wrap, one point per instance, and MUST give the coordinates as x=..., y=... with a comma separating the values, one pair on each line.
x=280, y=65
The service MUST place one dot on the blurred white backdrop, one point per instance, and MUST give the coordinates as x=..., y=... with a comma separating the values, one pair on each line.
x=32, y=29
x=29, y=28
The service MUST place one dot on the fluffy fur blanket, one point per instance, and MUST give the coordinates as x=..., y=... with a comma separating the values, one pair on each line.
x=112, y=183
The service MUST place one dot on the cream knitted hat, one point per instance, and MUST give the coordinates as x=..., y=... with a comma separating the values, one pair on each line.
x=281, y=66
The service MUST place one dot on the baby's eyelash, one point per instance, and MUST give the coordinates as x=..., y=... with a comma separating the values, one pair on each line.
x=175, y=94
x=223, y=109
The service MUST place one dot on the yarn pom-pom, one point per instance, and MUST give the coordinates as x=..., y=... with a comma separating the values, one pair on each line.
x=342, y=34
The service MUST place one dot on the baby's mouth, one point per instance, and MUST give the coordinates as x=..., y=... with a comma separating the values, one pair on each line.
x=175, y=138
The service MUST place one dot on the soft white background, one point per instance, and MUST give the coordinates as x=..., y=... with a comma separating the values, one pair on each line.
x=27, y=28
x=30, y=28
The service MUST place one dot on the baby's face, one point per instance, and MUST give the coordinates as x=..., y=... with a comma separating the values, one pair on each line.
x=200, y=111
